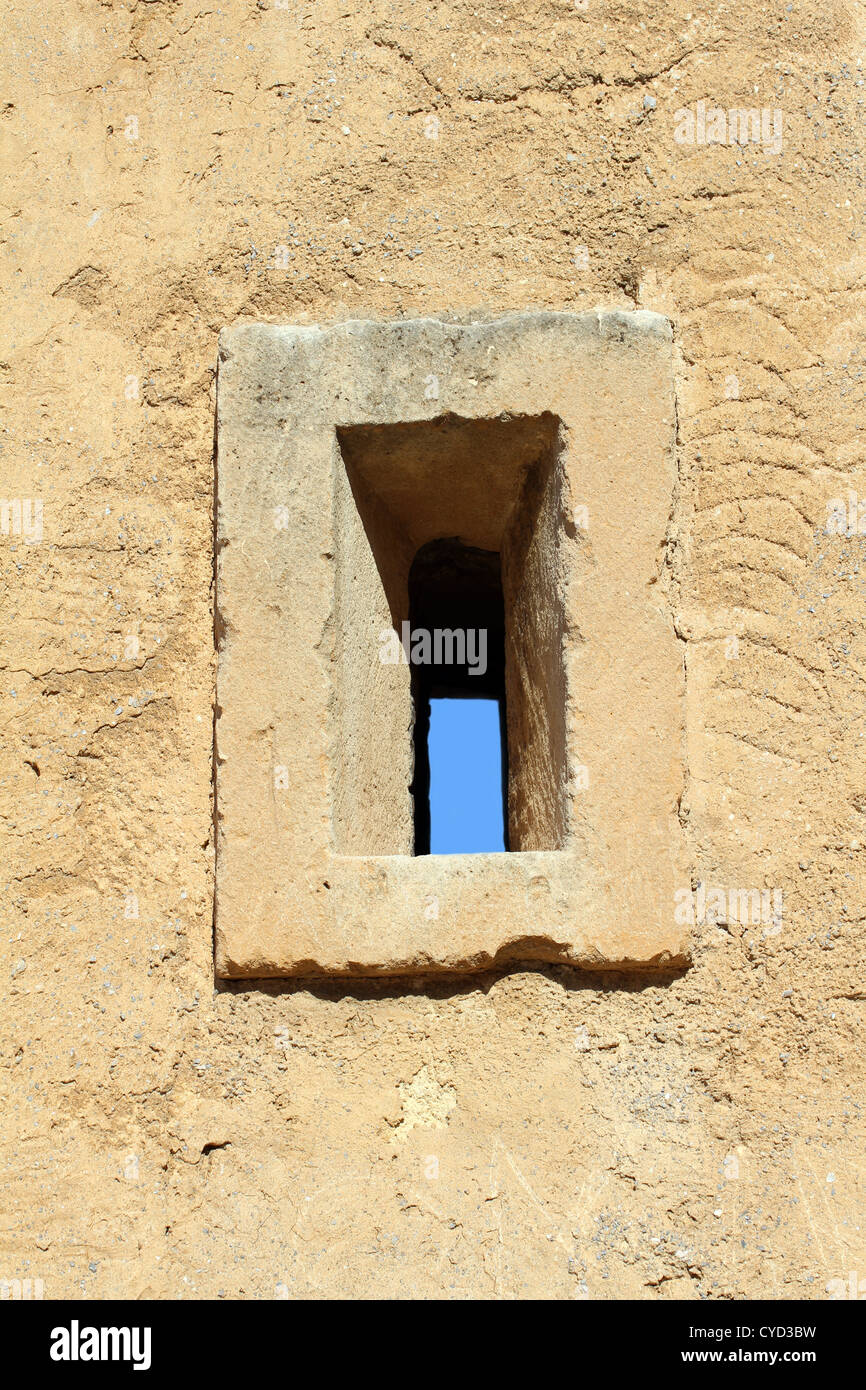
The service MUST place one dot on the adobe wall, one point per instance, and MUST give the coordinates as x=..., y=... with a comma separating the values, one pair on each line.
x=171, y=169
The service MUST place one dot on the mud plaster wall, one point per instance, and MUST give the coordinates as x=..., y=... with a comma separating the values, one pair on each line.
x=171, y=168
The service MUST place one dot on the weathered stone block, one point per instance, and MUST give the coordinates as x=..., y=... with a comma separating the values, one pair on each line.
x=547, y=437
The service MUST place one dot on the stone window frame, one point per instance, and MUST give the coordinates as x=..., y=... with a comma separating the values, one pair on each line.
x=297, y=576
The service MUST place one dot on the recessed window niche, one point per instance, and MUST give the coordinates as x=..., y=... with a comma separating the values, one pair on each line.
x=515, y=474
x=448, y=526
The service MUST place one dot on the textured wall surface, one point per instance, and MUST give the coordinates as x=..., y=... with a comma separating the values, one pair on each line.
x=169, y=169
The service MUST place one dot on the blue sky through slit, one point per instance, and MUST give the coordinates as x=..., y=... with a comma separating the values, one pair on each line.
x=465, y=777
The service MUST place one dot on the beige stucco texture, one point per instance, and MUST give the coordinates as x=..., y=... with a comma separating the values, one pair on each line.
x=546, y=249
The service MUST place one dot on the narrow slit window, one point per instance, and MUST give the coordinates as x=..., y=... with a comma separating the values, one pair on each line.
x=456, y=642
x=466, y=759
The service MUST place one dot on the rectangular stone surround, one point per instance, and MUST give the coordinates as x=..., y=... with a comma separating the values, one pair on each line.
x=547, y=437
